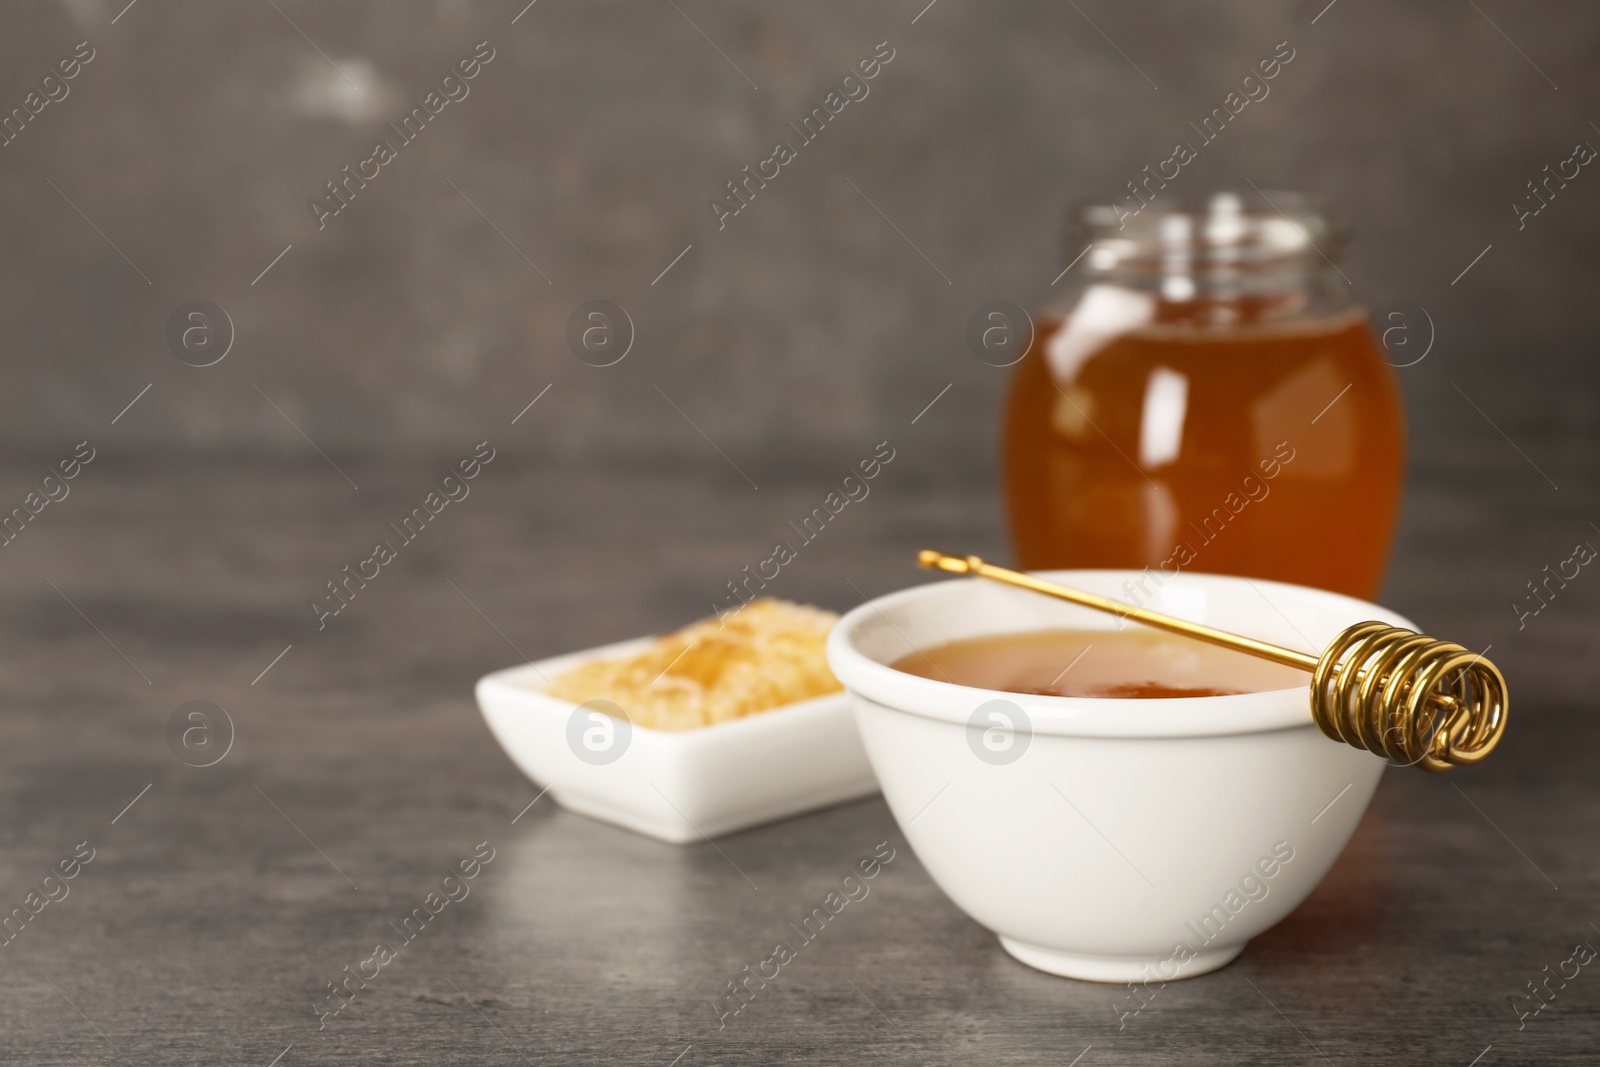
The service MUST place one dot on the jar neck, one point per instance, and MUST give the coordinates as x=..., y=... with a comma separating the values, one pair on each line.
x=1221, y=267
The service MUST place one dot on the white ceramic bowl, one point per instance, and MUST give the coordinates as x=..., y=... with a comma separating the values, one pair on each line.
x=678, y=786
x=1130, y=839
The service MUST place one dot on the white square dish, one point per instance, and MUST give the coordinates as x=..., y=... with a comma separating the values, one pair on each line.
x=678, y=786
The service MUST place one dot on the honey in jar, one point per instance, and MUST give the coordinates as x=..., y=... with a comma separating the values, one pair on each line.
x=1210, y=400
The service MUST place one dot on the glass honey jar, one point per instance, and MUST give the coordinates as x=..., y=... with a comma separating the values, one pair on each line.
x=1206, y=398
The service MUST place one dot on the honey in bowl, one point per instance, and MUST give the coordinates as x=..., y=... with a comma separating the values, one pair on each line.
x=1126, y=664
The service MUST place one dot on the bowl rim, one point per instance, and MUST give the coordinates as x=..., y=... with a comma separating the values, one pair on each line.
x=1104, y=717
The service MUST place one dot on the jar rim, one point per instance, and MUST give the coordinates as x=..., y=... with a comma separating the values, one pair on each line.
x=1288, y=228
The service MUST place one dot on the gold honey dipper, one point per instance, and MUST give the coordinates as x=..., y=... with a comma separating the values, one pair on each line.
x=1407, y=696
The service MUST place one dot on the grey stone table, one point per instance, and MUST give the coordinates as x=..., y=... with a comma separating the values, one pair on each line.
x=220, y=901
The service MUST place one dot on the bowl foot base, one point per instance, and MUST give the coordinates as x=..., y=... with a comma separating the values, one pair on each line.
x=1118, y=968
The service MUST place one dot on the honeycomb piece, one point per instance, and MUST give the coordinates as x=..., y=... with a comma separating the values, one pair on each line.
x=765, y=655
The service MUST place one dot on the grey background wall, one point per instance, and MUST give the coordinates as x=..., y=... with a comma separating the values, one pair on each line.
x=582, y=162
